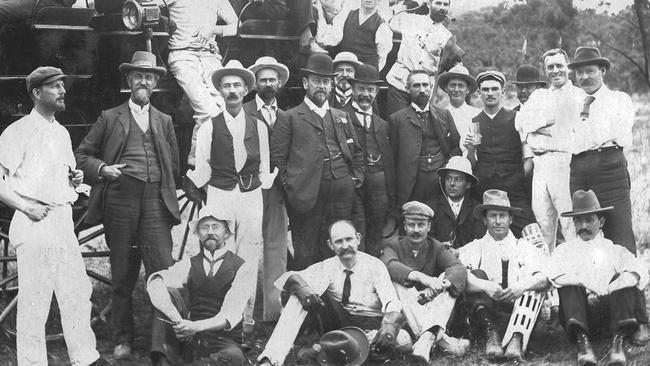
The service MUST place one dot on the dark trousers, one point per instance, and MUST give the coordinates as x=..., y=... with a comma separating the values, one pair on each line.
x=213, y=345
x=622, y=310
x=137, y=225
x=605, y=172
x=427, y=187
x=511, y=180
x=335, y=317
x=372, y=210
x=396, y=100
x=477, y=300
x=309, y=229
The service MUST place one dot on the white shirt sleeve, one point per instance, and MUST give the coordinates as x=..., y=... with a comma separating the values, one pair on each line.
x=331, y=34
x=12, y=149
x=202, y=170
x=316, y=276
x=228, y=15
x=235, y=300
x=385, y=290
x=384, y=40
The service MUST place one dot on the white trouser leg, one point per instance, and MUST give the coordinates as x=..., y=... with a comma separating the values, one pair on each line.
x=285, y=332
x=275, y=250
x=421, y=318
x=193, y=71
x=560, y=192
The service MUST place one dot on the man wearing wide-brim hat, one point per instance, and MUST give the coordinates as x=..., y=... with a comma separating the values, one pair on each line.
x=344, y=66
x=454, y=223
x=458, y=83
x=598, y=140
x=232, y=164
x=502, y=269
x=320, y=163
x=592, y=267
x=130, y=157
x=204, y=325
x=545, y=123
x=377, y=196
x=527, y=80
x=270, y=77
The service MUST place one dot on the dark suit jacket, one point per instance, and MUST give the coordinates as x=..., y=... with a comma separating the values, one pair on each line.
x=104, y=145
x=406, y=139
x=466, y=227
x=432, y=260
x=250, y=108
x=296, y=150
x=380, y=128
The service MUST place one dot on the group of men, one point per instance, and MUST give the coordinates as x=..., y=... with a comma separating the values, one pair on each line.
x=398, y=225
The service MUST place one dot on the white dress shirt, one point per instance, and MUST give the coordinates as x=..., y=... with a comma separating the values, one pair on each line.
x=610, y=122
x=598, y=259
x=455, y=206
x=463, y=120
x=364, y=117
x=269, y=112
x=320, y=111
x=371, y=290
x=140, y=115
x=525, y=260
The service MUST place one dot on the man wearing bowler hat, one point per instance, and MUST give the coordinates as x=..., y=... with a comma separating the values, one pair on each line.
x=130, y=157
x=458, y=83
x=454, y=224
x=270, y=76
x=598, y=139
x=527, y=80
x=502, y=269
x=38, y=181
x=320, y=163
x=428, y=280
x=232, y=164
x=597, y=279
x=544, y=123
x=497, y=149
x=377, y=195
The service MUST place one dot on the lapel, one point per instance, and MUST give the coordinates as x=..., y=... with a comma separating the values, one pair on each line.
x=423, y=255
x=446, y=208
x=154, y=122
x=437, y=124
x=308, y=115
x=341, y=136
x=124, y=116
x=412, y=117
x=465, y=209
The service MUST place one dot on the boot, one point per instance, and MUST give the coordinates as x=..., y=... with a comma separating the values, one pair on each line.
x=617, y=353
x=586, y=356
x=452, y=346
x=641, y=336
x=513, y=351
x=493, y=348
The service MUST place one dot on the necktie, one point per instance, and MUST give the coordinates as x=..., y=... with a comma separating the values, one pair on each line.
x=212, y=263
x=346, y=287
x=366, y=118
x=585, y=108
x=270, y=111
x=504, y=273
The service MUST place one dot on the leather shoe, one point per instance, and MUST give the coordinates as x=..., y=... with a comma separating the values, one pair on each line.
x=452, y=346
x=586, y=356
x=122, y=351
x=617, y=353
x=493, y=348
x=101, y=362
x=641, y=336
x=513, y=351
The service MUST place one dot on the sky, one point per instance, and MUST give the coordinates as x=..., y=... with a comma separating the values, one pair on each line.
x=613, y=6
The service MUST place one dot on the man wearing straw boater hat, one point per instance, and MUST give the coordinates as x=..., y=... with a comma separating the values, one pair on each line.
x=270, y=76
x=544, y=123
x=454, y=224
x=599, y=137
x=597, y=279
x=377, y=195
x=458, y=83
x=320, y=163
x=38, y=180
x=502, y=270
x=130, y=157
x=232, y=164
x=204, y=326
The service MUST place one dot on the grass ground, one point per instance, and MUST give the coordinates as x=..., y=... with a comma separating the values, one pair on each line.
x=548, y=346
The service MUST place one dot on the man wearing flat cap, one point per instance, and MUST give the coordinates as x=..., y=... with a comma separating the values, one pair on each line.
x=597, y=279
x=38, y=180
x=130, y=157
x=270, y=76
x=497, y=149
x=428, y=279
x=232, y=164
x=454, y=224
x=502, y=270
x=458, y=83
x=377, y=196
x=205, y=325
x=598, y=139
x=544, y=123
x=320, y=163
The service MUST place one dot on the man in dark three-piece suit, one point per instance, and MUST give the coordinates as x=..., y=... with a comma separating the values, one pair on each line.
x=423, y=137
x=130, y=157
x=377, y=195
x=320, y=163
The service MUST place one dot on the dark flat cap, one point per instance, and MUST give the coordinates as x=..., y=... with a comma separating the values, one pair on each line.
x=43, y=75
x=415, y=209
